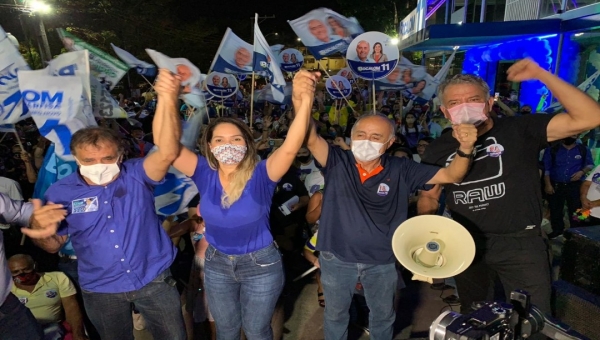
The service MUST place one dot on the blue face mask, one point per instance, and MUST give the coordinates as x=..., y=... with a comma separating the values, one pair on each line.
x=332, y=133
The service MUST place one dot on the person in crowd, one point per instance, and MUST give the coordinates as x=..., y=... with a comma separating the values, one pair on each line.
x=141, y=148
x=505, y=222
x=402, y=152
x=306, y=163
x=120, y=244
x=50, y=296
x=365, y=201
x=590, y=196
x=565, y=166
x=411, y=130
x=243, y=269
x=16, y=321
x=421, y=148
x=21, y=169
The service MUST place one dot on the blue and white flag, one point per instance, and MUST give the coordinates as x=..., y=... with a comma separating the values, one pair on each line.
x=277, y=48
x=141, y=67
x=12, y=109
x=189, y=73
x=75, y=63
x=233, y=56
x=266, y=95
x=325, y=32
x=7, y=128
x=53, y=169
x=265, y=62
x=57, y=106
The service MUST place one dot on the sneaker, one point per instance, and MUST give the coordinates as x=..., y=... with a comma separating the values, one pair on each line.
x=139, y=323
x=452, y=300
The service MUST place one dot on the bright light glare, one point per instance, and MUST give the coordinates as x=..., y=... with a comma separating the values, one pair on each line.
x=37, y=6
x=578, y=34
x=460, y=22
x=299, y=39
x=395, y=41
x=456, y=47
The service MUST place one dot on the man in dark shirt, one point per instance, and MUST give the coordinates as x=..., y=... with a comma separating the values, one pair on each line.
x=499, y=201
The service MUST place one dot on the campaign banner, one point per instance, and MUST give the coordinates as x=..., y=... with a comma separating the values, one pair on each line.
x=195, y=98
x=266, y=95
x=338, y=87
x=141, y=67
x=221, y=85
x=325, y=32
x=372, y=55
x=266, y=63
x=189, y=73
x=108, y=69
x=346, y=72
x=291, y=60
x=12, y=109
x=104, y=105
x=73, y=64
x=56, y=106
x=233, y=56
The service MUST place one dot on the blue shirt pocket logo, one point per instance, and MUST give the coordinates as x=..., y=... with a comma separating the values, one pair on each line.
x=84, y=205
x=50, y=294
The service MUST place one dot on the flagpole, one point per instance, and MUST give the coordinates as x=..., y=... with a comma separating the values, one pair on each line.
x=253, y=73
x=148, y=81
x=374, y=97
x=1, y=139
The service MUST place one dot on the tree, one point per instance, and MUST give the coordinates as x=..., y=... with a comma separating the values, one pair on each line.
x=378, y=15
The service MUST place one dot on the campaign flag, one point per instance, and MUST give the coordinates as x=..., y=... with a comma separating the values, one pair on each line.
x=189, y=73
x=57, y=107
x=221, y=85
x=12, y=109
x=53, y=169
x=277, y=48
x=7, y=128
x=325, y=32
x=73, y=64
x=103, y=103
x=233, y=56
x=108, y=69
x=191, y=129
x=413, y=80
x=291, y=60
x=265, y=62
x=266, y=95
x=338, y=87
x=141, y=67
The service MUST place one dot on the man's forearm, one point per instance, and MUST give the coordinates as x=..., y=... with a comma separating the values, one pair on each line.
x=458, y=168
x=167, y=127
x=583, y=190
x=31, y=173
x=427, y=206
x=547, y=180
x=577, y=104
x=51, y=244
x=75, y=319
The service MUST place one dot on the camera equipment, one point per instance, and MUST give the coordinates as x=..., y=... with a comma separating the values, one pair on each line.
x=500, y=321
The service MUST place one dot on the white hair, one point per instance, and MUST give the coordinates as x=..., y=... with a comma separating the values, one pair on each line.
x=464, y=79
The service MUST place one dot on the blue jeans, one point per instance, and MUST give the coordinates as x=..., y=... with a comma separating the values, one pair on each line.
x=242, y=291
x=339, y=281
x=158, y=302
x=17, y=322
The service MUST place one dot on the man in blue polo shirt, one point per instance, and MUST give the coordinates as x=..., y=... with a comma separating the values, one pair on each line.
x=365, y=201
x=124, y=254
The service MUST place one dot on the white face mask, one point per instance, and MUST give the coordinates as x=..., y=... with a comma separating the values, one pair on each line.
x=366, y=150
x=99, y=173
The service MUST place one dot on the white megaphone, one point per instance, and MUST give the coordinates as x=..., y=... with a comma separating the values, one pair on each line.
x=433, y=247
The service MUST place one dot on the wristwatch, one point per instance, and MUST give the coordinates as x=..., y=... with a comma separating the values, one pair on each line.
x=466, y=155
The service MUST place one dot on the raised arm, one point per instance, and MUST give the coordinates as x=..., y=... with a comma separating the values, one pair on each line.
x=44, y=221
x=466, y=134
x=582, y=111
x=302, y=96
x=429, y=200
x=166, y=127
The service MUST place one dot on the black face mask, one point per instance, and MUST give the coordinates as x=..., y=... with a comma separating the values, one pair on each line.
x=526, y=112
x=303, y=159
x=569, y=141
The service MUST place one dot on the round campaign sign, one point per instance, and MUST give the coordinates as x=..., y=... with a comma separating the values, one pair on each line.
x=346, y=72
x=338, y=87
x=291, y=60
x=372, y=55
x=221, y=85
x=242, y=77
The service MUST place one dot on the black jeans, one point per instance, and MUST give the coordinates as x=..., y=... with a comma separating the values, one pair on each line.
x=563, y=192
x=518, y=263
x=17, y=322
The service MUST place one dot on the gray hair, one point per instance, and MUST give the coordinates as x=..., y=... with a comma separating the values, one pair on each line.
x=392, y=127
x=464, y=79
x=96, y=135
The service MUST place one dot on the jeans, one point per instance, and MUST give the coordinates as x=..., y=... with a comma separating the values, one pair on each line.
x=339, y=281
x=17, y=322
x=158, y=302
x=242, y=291
x=563, y=192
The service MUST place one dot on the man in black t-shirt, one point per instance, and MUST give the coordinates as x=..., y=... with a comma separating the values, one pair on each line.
x=499, y=201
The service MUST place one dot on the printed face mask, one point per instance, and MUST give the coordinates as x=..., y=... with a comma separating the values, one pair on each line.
x=468, y=113
x=229, y=154
x=100, y=173
x=27, y=279
x=366, y=150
